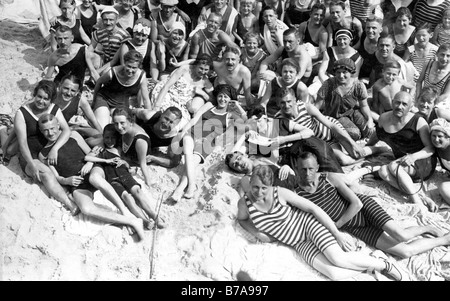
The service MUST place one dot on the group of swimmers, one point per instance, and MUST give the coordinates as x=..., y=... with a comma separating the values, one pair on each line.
x=170, y=86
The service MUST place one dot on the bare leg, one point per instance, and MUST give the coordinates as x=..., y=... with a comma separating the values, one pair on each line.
x=97, y=179
x=53, y=187
x=144, y=201
x=84, y=200
x=103, y=116
x=133, y=207
x=405, y=250
x=444, y=190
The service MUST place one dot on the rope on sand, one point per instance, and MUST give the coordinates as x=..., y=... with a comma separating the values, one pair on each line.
x=155, y=229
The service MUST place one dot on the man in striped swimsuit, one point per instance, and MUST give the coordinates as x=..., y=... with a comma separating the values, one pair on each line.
x=361, y=215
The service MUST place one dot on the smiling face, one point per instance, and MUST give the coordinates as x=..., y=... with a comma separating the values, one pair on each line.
x=219, y=4
x=213, y=23
x=176, y=36
x=423, y=37
x=231, y=60
x=139, y=38
x=167, y=122
x=289, y=74
x=317, y=16
x=68, y=90
x=246, y=8
x=390, y=75
x=50, y=130
x=343, y=41
x=122, y=124
x=167, y=10
x=109, y=139
x=222, y=100
x=202, y=70
x=402, y=22
x=109, y=21
x=385, y=47
x=258, y=189
x=425, y=107
x=251, y=46
x=443, y=58
x=41, y=100
x=342, y=76
x=439, y=139
x=336, y=13
x=373, y=30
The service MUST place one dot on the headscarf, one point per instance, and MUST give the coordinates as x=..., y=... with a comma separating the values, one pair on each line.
x=441, y=125
x=142, y=25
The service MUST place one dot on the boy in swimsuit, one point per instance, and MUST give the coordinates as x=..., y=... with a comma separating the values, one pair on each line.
x=386, y=87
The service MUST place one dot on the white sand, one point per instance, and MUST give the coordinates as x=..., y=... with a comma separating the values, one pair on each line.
x=40, y=241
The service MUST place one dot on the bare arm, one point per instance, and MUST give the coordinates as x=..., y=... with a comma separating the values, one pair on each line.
x=244, y=220
x=177, y=74
x=323, y=67
x=90, y=116
x=355, y=203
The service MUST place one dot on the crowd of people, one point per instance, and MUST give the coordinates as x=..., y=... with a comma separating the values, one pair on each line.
x=300, y=89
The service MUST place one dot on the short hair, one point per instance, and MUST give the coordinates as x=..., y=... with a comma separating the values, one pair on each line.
x=428, y=94
x=257, y=111
x=283, y=92
x=253, y=2
x=290, y=62
x=374, y=19
x=403, y=11
x=403, y=94
x=47, y=117
x=110, y=128
x=306, y=155
x=48, y=87
x=264, y=173
x=385, y=35
x=203, y=58
x=63, y=28
x=174, y=110
x=252, y=35
x=392, y=64
x=318, y=6
x=231, y=49
x=71, y=2
x=73, y=78
x=268, y=7
x=443, y=47
x=123, y=111
x=290, y=30
x=228, y=158
x=133, y=56
x=213, y=14
x=426, y=26
x=337, y=3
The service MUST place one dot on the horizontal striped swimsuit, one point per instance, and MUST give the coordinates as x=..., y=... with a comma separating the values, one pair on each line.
x=292, y=227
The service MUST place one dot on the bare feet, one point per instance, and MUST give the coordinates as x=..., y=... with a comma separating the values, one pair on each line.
x=190, y=191
x=72, y=207
x=138, y=225
x=176, y=196
x=160, y=223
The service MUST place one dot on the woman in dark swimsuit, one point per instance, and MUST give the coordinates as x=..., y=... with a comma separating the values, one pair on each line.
x=88, y=13
x=135, y=141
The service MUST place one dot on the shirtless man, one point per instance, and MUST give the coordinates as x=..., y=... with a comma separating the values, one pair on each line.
x=211, y=39
x=292, y=49
x=230, y=71
x=386, y=87
x=69, y=57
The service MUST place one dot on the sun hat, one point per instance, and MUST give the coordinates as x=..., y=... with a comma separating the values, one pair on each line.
x=343, y=32
x=346, y=63
x=441, y=125
x=169, y=2
x=109, y=9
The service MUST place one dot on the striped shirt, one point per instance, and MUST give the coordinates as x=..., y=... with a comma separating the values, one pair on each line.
x=110, y=41
x=419, y=62
x=423, y=12
x=359, y=10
